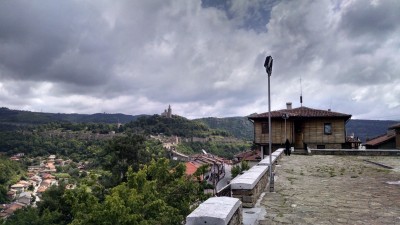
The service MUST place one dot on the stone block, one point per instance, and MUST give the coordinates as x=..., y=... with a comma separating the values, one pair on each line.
x=217, y=211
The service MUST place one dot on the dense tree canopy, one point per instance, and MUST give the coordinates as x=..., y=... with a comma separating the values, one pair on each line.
x=156, y=194
x=176, y=125
x=10, y=172
x=128, y=151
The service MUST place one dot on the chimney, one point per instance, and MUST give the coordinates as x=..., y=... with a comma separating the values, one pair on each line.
x=288, y=105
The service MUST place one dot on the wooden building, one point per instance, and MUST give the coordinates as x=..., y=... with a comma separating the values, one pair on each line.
x=304, y=126
x=390, y=140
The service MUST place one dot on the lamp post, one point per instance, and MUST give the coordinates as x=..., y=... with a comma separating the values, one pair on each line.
x=268, y=67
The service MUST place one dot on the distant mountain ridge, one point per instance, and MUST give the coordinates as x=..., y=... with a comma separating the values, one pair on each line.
x=27, y=117
x=239, y=127
x=367, y=129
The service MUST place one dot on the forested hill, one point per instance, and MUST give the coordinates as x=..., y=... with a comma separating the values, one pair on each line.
x=27, y=117
x=176, y=125
x=239, y=127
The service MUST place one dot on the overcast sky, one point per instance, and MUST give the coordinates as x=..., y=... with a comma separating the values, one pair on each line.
x=205, y=58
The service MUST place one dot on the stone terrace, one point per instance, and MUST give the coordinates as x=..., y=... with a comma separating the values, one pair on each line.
x=334, y=190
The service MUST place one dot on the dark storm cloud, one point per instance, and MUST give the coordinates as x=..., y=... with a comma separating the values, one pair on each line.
x=375, y=19
x=48, y=42
x=203, y=57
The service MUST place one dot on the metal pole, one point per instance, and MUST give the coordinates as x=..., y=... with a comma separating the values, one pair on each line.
x=285, y=130
x=268, y=67
x=271, y=179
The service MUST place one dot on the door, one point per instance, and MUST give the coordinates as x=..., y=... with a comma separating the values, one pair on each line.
x=298, y=135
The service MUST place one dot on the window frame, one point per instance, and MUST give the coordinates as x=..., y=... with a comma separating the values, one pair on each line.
x=264, y=128
x=327, y=128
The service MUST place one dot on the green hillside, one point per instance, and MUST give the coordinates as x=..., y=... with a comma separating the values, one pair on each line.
x=177, y=125
x=239, y=127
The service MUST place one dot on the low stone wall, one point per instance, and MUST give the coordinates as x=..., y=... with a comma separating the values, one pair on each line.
x=249, y=186
x=367, y=152
x=217, y=211
x=245, y=189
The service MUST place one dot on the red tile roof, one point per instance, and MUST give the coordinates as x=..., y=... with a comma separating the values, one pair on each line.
x=252, y=155
x=380, y=139
x=191, y=168
x=301, y=112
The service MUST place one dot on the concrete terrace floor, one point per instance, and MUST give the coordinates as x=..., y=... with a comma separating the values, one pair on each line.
x=324, y=189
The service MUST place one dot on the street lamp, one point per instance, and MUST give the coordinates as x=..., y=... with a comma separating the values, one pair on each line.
x=268, y=67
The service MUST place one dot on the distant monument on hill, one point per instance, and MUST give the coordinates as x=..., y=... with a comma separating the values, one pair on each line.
x=167, y=113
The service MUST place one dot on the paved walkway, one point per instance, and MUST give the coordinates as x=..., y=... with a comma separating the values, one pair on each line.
x=334, y=190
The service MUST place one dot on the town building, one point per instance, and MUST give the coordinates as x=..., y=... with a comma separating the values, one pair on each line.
x=252, y=157
x=25, y=198
x=390, y=140
x=303, y=127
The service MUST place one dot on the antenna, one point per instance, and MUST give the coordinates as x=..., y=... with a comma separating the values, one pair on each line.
x=301, y=93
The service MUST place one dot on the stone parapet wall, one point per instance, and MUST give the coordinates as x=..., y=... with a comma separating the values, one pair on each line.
x=217, y=211
x=249, y=197
x=245, y=189
x=249, y=186
x=369, y=152
x=237, y=218
x=327, y=145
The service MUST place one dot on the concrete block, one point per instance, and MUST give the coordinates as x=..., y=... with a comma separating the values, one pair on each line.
x=216, y=210
x=249, y=179
x=265, y=162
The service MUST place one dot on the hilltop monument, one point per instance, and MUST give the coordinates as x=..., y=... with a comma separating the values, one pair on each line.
x=167, y=112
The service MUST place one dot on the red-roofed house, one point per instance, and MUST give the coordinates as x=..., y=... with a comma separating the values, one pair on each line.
x=191, y=168
x=10, y=209
x=390, y=140
x=252, y=157
x=316, y=128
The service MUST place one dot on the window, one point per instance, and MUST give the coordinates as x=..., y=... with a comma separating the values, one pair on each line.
x=320, y=146
x=327, y=128
x=264, y=128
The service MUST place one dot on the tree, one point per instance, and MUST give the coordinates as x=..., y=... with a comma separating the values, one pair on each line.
x=201, y=171
x=237, y=169
x=131, y=150
x=53, y=202
x=156, y=194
